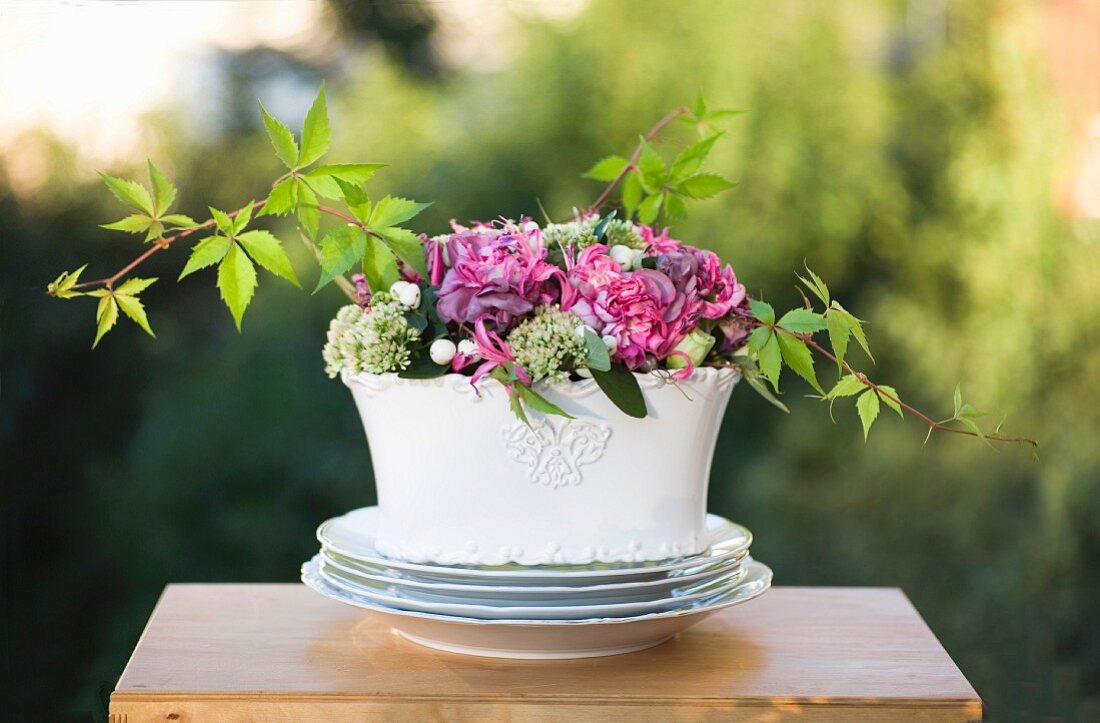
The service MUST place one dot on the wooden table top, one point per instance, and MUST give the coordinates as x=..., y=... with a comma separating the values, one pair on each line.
x=280, y=652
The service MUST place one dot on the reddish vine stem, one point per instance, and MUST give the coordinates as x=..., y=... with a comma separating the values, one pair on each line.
x=865, y=380
x=650, y=135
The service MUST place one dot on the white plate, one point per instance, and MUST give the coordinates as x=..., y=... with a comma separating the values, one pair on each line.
x=381, y=595
x=353, y=535
x=546, y=639
x=434, y=591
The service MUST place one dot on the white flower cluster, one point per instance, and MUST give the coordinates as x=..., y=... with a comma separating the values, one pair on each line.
x=375, y=340
x=546, y=345
x=582, y=234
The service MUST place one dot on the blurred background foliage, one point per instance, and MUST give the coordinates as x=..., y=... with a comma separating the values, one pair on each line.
x=907, y=150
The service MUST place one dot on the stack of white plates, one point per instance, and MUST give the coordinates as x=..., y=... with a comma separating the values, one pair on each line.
x=544, y=611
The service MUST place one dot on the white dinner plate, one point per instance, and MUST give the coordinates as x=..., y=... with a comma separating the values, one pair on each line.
x=546, y=639
x=352, y=535
x=384, y=596
x=435, y=591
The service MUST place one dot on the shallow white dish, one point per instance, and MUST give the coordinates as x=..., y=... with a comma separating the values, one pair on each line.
x=546, y=639
x=537, y=610
x=429, y=591
x=353, y=536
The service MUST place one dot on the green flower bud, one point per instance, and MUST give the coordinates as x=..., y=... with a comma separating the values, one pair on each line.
x=696, y=345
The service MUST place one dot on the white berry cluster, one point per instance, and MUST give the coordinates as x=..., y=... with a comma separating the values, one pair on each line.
x=546, y=345
x=374, y=340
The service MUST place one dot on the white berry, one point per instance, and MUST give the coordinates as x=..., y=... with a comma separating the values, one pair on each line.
x=611, y=342
x=407, y=294
x=623, y=256
x=442, y=351
x=466, y=347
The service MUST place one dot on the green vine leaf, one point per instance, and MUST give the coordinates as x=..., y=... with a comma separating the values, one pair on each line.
x=281, y=199
x=867, y=406
x=106, y=315
x=130, y=193
x=323, y=178
x=62, y=286
x=675, y=208
x=848, y=386
x=222, y=220
x=802, y=321
x=380, y=266
x=839, y=334
x=243, y=217
x=854, y=326
x=652, y=168
x=537, y=402
x=341, y=249
x=691, y=159
x=631, y=193
x=816, y=285
x=315, y=131
x=206, y=253
x=134, y=223
x=885, y=394
x=606, y=169
x=179, y=220
x=236, y=281
x=266, y=250
x=798, y=357
x=407, y=246
x=770, y=358
x=703, y=185
x=762, y=311
x=286, y=148
x=133, y=308
x=393, y=210
x=308, y=213
x=164, y=193
x=650, y=208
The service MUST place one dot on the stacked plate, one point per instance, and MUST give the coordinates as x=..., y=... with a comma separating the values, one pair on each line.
x=545, y=611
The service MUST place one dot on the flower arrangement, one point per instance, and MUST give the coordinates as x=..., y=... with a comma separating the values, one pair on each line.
x=607, y=295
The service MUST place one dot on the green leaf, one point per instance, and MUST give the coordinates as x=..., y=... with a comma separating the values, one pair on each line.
x=133, y=287
x=802, y=321
x=854, y=326
x=393, y=210
x=133, y=308
x=597, y=356
x=62, y=286
x=621, y=387
x=308, y=213
x=282, y=139
x=315, y=131
x=607, y=169
x=380, y=266
x=703, y=185
x=675, y=207
x=958, y=399
x=798, y=357
x=323, y=178
x=763, y=311
x=652, y=168
x=839, y=333
x=537, y=402
x=407, y=246
x=178, y=219
x=650, y=208
x=266, y=250
x=131, y=224
x=867, y=406
x=237, y=281
x=816, y=285
x=223, y=221
x=601, y=227
x=691, y=159
x=514, y=401
x=632, y=193
x=164, y=193
x=155, y=230
x=341, y=249
x=356, y=199
x=758, y=338
x=770, y=358
x=105, y=316
x=281, y=199
x=130, y=193
x=848, y=386
x=240, y=221
x=205, y=253
x=699, y=110
x=884, y=391
x=762, y=389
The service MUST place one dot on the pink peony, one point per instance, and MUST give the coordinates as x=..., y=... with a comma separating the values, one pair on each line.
x=499, y=272
x=644, y=311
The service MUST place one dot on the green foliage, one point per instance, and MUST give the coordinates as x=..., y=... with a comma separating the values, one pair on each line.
x=621, y=387
x=598, y=358
x=341, y=249
x=153, y=217
x=125, y=297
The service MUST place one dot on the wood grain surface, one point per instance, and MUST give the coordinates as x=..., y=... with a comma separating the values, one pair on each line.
x=279, y=652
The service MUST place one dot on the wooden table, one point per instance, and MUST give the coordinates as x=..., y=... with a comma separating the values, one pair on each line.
x=280, y=652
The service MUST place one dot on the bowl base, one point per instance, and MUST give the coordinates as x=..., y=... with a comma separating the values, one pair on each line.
x=532, y=654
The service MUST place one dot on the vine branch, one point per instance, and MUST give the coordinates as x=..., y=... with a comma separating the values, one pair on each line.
x=650, y=135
